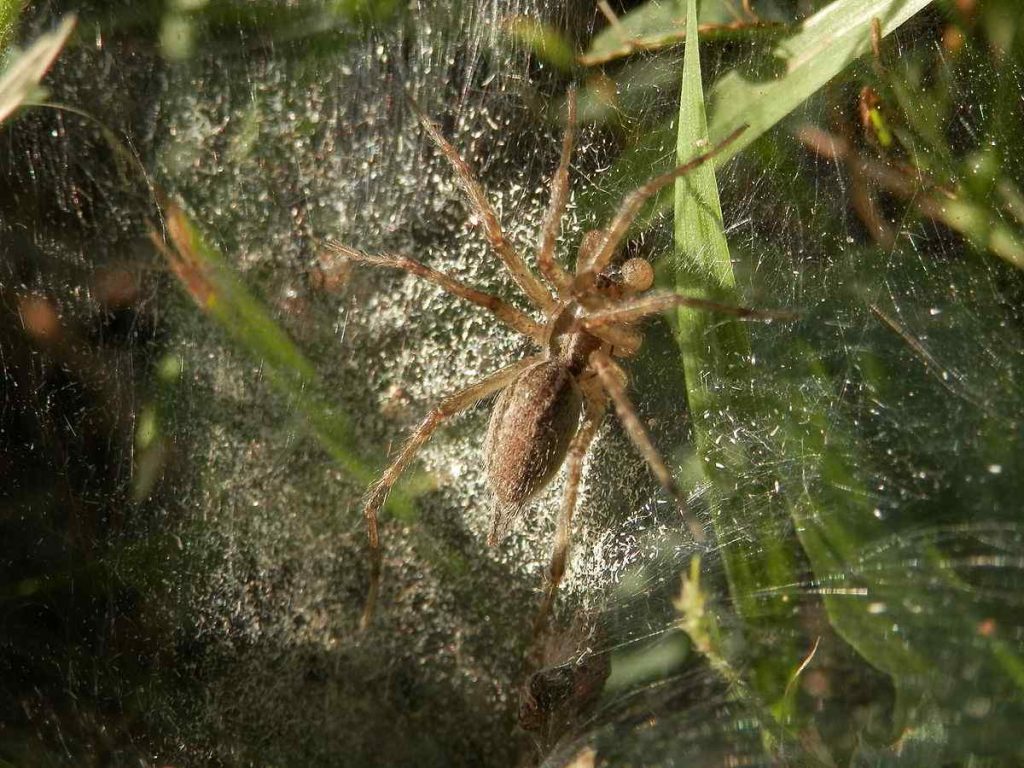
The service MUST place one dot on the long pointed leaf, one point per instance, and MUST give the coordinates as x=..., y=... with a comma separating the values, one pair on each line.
x=828, y=41
x=20, y=80
x=714, y=350
x=807, y=60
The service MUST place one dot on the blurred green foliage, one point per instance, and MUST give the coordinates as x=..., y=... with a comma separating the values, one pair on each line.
x=894, y=626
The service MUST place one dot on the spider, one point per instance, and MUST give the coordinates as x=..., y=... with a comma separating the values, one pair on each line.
x=551, y=403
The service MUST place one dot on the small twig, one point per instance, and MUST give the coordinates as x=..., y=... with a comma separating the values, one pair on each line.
x=934, y=200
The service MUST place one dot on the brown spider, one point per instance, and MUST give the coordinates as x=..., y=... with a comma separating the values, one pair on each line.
x=587, y=321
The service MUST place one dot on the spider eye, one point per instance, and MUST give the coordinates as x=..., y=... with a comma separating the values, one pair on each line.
x=637, y=274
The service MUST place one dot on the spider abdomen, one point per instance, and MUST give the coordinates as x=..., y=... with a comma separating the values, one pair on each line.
x=532, y=424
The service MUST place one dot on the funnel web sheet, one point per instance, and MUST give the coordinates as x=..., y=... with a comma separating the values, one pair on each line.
x=197, y=392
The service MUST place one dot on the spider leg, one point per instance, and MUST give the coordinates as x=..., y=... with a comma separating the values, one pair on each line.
x=625, y=342
x=481, y=206
x=546, y=262
x=589, y=246
x=597, y=406
x=504, y=311
x=378, y=492
x=634, y=201
x=631, y=310
x=613, y=379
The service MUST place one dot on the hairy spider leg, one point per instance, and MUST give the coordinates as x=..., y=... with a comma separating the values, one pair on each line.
x=596, y=407
x=631, y=310
x=589, y=246
x=481, y=206
x=378, y=492
x=631, y=205
x=502, y=310
x=613, y=378
x=546, y=262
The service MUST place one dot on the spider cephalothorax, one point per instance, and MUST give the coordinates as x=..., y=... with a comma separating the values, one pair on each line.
x=551, y=403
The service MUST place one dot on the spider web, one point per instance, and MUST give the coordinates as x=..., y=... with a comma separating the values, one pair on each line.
x=235, y=549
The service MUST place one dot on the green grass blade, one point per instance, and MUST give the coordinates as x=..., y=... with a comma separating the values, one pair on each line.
x=700, y=238
x=715, y=349
x=828, y=41
x=206, y=276
x=658, y=24
x=792, y=417
x=20, y=80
